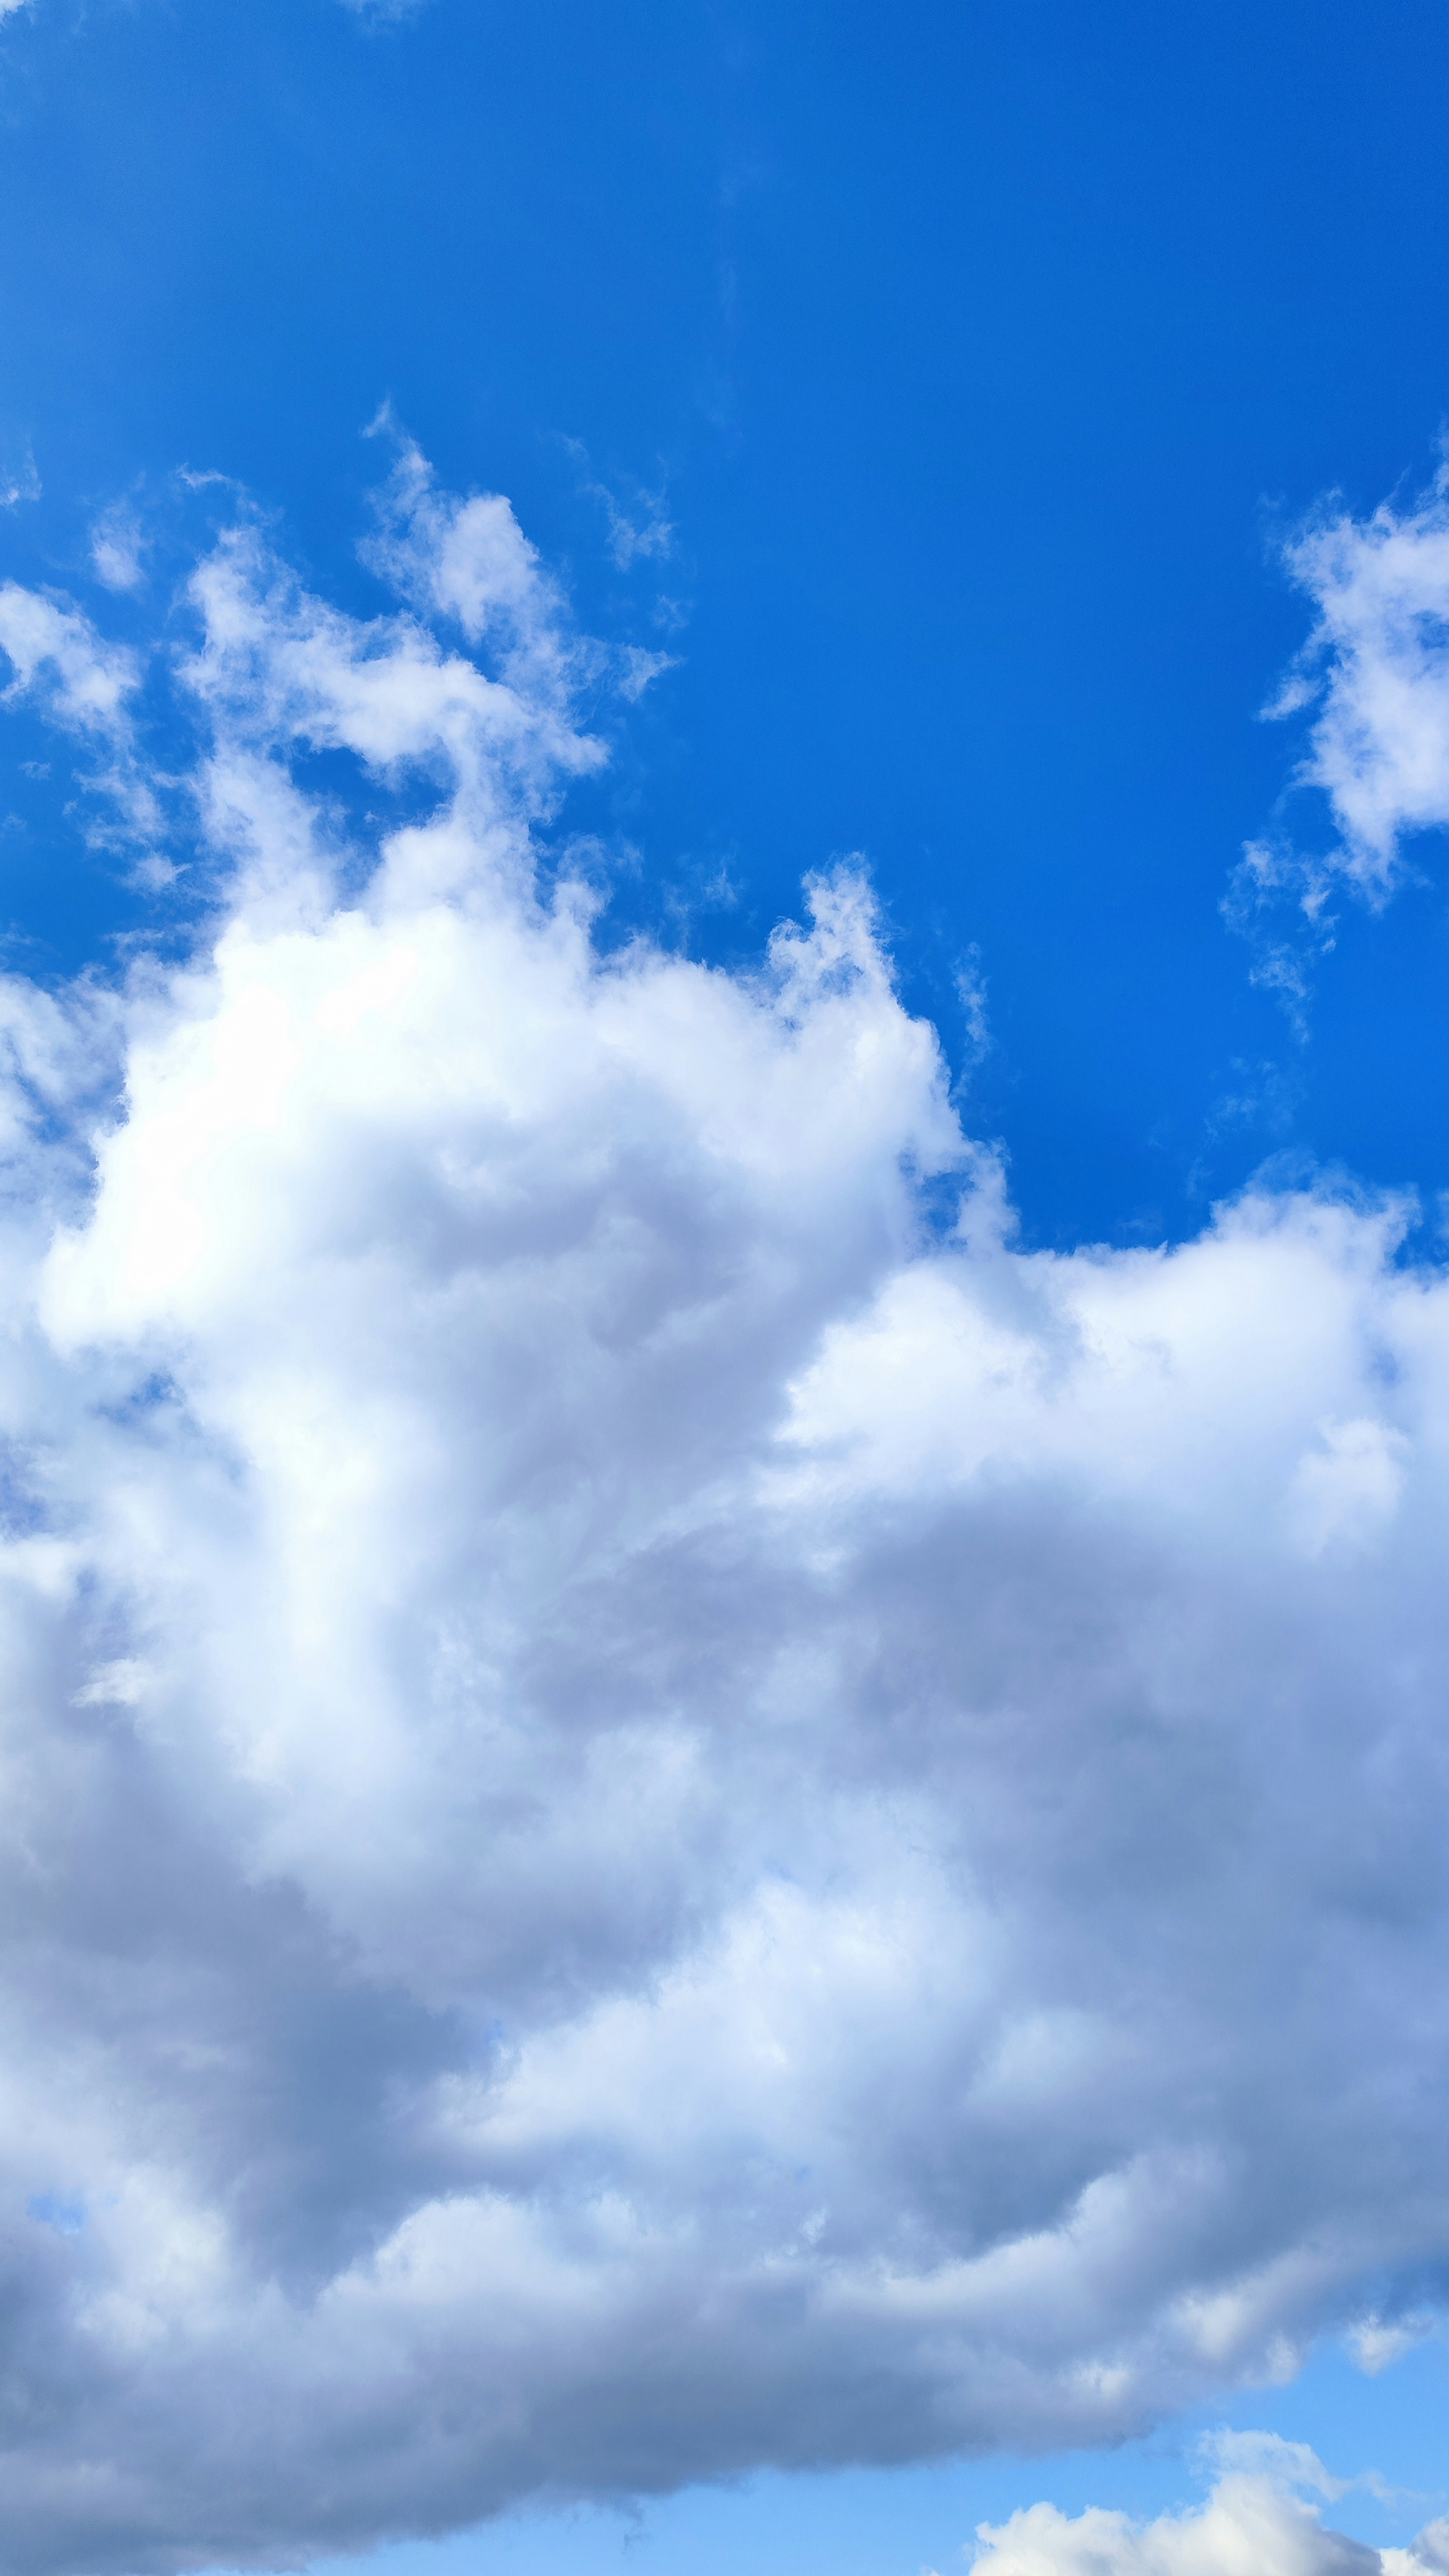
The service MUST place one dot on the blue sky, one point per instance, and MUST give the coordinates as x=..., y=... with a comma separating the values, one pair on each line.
x=490, y=1711
x=978, y=352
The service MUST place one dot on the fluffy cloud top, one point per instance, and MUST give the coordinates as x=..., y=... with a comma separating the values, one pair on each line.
x=1375, y=672
x=665, y=1807
x=1377, y=668
x=1255, y=2523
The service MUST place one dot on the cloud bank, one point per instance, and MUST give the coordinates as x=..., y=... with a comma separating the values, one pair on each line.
x=665, y=1806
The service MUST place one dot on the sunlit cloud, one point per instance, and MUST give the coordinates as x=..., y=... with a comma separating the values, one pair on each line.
x=668, y=1807
x=1263, y=2515
x=1374, y=676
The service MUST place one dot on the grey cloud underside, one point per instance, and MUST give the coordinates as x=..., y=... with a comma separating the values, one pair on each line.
x=657, y=1817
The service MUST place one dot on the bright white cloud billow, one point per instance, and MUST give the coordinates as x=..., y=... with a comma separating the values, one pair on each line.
x=658, y=1814
x=1256, y=2522
x=1376, y=670
x=1375, y=673
x=1263, y=2518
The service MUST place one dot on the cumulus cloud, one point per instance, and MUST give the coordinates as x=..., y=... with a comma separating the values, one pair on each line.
x=1376, y=669
x=1375, y=673
x=666, y=1807
x=1256, y=2519
x=1260, y=2517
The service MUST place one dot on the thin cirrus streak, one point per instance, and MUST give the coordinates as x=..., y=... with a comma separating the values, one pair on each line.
x=371, y=12
x=660, y=1814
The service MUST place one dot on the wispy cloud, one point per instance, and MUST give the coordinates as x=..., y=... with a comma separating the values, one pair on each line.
x=19, y=480
x=87, y=688
x=638, y=530
x=56, y=655
x=118, y=548
x=385, y=13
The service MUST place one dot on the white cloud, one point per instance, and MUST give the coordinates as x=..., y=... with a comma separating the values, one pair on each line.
x=384, y=13
x=1294, y=2468
x=1251, y=2525
x=1430, y=2550
x=54, y=650
x=1376, y=2344
x=19, y=480
x=1376, y=669
x=1375, y=674
x=87, y=688
x=636, y=533
x=1259, y=2520
x=657, y=1817
x=118, y=545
